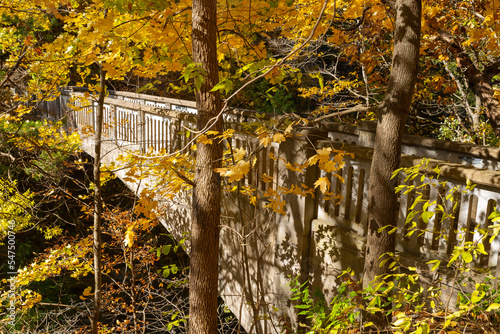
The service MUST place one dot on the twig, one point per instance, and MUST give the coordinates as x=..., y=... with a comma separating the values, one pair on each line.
x=357, y=108
x=183, y=177
x=68, y=306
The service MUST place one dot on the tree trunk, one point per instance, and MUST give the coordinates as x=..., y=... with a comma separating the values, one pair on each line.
x=98, y=204
x=207, y=190
x=481, y=85
x=392, y=115
x=480, y=82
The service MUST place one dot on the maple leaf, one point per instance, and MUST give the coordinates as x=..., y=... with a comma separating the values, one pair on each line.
x=235, y=172
x=266, y=141
x=278, y=137
x=203, y=139
x=323, y=183
x=239, y=153
x=294, y=168
x=329, y=166
x=87, y=291
x=339, y=160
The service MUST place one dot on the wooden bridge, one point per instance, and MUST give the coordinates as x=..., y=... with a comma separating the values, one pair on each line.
x=315, y=239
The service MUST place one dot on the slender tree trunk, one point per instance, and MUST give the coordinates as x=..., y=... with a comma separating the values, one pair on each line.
x=480, y=82
x=98, y=204
x=481, y=85
x=207, y=190
x=392, y=115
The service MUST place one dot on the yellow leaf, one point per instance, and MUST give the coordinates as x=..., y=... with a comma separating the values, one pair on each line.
x=266, y=141
x=239, y=153
x=324, y=152
x=237, y=171
x=222, y=171
x=293, y=168
x=492, y=307
x=329, y=166
x=203, y=139
x=267, y=178
x=129, y=237
x=87, y=292
x=278, y=138
x=323, y=183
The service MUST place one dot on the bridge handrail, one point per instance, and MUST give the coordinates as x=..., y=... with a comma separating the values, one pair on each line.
x=363, y=134
x=306, y=234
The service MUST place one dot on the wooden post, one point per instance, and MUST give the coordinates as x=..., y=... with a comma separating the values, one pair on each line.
x=142, y=131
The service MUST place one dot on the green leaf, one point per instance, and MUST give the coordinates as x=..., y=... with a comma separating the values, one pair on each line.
x=174, y=269
x=319, y=77
x=477, y=296
x=302, y=306
x=494, y=216
x=467, y=257
x=225, y=85
x=417, y=200
x=480, y=248
x=166, y=249
x=426, y=216
x=436, y=264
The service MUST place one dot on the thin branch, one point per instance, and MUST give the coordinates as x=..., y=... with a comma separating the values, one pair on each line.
x=11, y=71
x=182, y=176
x=68, y=306
x=357, y=108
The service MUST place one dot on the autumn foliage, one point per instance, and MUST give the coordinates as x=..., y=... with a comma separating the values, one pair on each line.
x=334, y=56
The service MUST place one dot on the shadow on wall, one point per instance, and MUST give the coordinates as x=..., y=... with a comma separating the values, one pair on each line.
x=176, y=217
x=334, y=249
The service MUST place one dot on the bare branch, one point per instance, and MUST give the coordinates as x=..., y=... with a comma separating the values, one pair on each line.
x=357, y=108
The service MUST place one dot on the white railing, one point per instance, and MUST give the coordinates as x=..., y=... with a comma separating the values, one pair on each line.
x=132, y=125
x=472, y=209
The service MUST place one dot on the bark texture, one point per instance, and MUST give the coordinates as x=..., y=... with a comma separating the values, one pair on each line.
x=207, y=190
x=392, y=115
